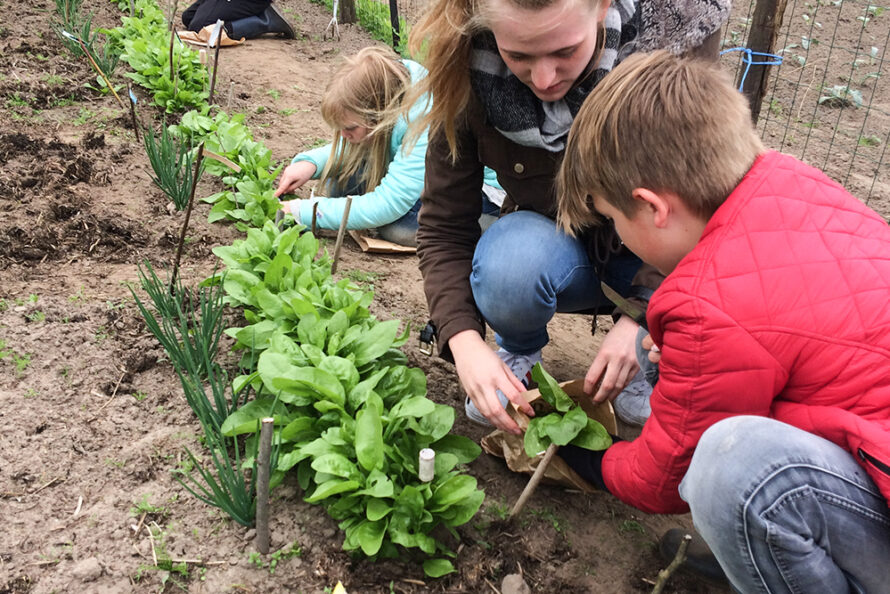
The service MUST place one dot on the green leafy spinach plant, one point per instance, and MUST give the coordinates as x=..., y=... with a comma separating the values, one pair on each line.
x=568, y=424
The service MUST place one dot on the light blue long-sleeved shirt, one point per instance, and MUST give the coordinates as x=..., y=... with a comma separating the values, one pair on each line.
x=400, y=187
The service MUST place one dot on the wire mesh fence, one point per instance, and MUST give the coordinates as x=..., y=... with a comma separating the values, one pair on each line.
x=828, y=101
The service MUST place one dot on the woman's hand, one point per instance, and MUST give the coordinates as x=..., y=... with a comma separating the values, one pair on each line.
x=616, y=362
x=481, y=374
x=294, y=176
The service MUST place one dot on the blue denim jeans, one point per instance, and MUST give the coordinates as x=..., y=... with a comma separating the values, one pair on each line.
x=403, y=230
x=525, y=270
x=784, y=510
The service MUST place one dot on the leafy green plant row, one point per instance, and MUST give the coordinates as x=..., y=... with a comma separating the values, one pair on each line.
x=145, y=42
x=249, y=200
x=351, y=417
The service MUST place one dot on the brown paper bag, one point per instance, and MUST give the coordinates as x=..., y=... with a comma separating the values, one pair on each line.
x=379, y=246
x=510, y=447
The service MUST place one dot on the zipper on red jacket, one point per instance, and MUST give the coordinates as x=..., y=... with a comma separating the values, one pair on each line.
x=874, y=461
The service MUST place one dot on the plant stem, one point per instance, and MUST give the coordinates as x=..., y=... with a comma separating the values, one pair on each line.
x=188, y=214
x=262, y=486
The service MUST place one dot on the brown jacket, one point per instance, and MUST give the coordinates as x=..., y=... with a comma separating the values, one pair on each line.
x=451, y=207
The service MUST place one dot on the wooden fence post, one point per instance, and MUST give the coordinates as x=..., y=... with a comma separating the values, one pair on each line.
x=764, y=29
x=347, y=11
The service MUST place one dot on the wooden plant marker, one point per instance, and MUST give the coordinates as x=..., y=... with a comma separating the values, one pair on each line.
x=341, y=233
x=262, y=485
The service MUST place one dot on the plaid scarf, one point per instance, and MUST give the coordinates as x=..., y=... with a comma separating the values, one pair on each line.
x=630, y=25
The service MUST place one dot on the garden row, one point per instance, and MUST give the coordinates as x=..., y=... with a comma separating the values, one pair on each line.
x=350, y=416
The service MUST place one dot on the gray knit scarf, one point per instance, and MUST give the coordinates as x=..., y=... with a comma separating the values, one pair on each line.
x=630, y=26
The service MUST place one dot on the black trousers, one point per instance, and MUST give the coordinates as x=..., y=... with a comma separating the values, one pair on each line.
x=206, y=12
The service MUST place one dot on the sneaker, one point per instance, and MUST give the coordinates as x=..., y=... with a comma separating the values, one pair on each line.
x=521, y=366
x=632, y=404
x=700, y=561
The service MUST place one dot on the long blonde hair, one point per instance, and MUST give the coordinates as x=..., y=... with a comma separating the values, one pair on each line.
x=371, y=85
x=442, y=40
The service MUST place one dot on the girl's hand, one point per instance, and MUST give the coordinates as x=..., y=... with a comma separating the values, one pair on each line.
x=481, y=374
x=616, y=362
x=294, y=176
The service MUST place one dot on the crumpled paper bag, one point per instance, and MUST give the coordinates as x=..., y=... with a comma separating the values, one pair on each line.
x=203, y=36
x=510, y=447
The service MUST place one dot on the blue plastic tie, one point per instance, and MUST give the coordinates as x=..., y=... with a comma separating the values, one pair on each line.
x=749, y=60
x=132, y=96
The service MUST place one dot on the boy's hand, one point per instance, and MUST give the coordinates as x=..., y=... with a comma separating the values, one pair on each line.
x=481, y=374
x=616, y=362
x=294, y=176
x=649, y=345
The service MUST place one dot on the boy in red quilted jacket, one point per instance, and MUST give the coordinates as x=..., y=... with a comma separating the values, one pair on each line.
x=771, y=415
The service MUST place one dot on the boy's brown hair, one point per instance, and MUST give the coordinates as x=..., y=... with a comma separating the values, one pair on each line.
x=659, y=122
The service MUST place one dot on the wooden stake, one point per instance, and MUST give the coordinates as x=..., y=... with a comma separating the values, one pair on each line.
x=133, y=111
x=188, y=214
x=341, y=233
x=665, y=573
x=96, y=66
x=214, y=41
x=172, y=38
x=262, y=485
x=533, y=482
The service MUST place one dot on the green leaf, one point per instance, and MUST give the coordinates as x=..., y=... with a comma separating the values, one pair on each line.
x=464, y=448
x=436, y=568
x=593, y=437
x=335, y=464
x=375, y=342
x=332, y=487
x=369, y=438
x=417, y=406
x=377, y=509
x=568, y=427
x=244, y=420
x=370, y=536
x=550, y=390
x=378, y=485
x=453, y=490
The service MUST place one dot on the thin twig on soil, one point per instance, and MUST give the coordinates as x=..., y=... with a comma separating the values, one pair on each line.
x=665, y=573
x=49, y=484
x=113, y=392
x=533, y=482
x=79, y=505
x=139, y=525
x=490, y=585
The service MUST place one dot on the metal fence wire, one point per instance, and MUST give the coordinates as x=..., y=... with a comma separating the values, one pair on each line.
x=828, y=100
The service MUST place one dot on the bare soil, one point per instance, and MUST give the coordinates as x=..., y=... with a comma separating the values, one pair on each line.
x=92, y=417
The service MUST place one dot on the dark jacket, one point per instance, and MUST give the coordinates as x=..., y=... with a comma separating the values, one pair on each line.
x=451, y=207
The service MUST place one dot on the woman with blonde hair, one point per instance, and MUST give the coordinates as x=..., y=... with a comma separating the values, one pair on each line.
x=368, y=158
x=508, y=77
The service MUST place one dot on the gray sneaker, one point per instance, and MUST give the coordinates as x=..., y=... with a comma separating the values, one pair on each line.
x=632, y=404
x=521, y=366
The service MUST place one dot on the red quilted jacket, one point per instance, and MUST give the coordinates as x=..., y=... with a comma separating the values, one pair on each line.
x=781, y=310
